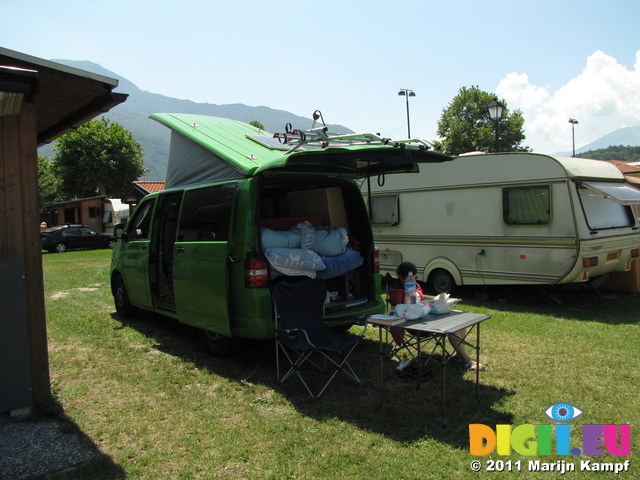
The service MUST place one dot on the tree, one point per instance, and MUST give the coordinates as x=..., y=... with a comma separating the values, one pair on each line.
x=257, y=124
x=100, y=156
x=48, y=183
x=465, y=125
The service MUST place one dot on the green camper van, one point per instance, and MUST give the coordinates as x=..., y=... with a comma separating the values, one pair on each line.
x=242, y=208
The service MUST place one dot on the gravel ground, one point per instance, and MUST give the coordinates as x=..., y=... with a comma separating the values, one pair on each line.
x=29, y=449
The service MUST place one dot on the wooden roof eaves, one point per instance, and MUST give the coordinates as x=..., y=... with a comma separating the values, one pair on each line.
x=73, y=121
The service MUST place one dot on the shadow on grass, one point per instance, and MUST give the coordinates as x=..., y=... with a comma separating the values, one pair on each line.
x=572, y=301
x=51, y=446
x=398, y=411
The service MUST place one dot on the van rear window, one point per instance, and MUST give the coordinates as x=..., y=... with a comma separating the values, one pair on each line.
x=526, y=205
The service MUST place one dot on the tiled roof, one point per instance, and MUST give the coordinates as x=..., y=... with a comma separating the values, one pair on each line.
x=150, y=187
x=625, y=167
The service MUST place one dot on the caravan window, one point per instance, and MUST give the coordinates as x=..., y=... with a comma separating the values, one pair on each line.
x=527, y=205
x=384, y=209
x=602, y=209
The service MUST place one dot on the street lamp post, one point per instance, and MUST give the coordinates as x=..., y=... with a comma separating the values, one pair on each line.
x=495, y=112
x=407, y=93
x=573, y=123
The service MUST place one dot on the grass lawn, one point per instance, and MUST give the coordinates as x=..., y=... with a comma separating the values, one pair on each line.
x=158, y=406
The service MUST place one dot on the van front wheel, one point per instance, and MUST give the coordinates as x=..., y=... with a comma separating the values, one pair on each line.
x=218, y=345
x=441, y=281
x=121, y=298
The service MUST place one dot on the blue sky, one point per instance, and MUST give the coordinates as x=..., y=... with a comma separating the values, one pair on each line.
x=553, y=59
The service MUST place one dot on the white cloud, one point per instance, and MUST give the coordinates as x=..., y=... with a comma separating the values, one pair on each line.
x=515, y=87
x=605, y=96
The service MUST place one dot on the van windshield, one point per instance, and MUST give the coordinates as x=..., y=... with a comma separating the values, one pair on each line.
x=601, y=209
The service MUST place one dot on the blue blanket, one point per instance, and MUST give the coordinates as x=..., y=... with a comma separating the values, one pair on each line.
x=329, y=241
x=341, y=264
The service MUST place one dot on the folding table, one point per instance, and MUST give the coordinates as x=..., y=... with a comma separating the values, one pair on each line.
x=435, y=329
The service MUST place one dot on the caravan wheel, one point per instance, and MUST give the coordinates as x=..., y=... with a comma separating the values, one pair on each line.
x=441, y=281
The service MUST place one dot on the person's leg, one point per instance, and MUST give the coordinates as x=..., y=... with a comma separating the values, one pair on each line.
x=461, y=351
x=458, y=346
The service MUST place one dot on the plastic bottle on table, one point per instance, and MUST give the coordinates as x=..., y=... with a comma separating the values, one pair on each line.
x=410, y=290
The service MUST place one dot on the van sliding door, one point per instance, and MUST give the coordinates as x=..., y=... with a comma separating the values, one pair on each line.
x=200, y=273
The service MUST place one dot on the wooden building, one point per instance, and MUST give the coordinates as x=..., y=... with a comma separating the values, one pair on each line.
x=39, y=101
x=85, y=211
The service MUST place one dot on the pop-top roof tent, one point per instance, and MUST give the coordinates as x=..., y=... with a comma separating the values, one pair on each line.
x=39, y=101
x=206, y=149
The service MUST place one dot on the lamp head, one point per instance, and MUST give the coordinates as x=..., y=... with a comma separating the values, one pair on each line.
x=495, y=109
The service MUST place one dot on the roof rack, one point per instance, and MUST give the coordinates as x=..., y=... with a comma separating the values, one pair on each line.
x=319, y=136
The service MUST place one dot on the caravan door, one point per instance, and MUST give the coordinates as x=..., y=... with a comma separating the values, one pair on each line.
x=201, y=250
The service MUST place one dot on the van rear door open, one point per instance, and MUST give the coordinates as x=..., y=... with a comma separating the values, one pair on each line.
x=201, y=250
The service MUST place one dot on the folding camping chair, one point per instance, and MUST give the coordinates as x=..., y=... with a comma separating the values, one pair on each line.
x=304, y=338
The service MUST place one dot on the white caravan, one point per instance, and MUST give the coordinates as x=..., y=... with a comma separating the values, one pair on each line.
x=114, y=212
x=508, y=218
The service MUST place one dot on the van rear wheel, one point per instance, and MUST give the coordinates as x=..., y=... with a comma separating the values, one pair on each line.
x=217, y=345
x=441, y=281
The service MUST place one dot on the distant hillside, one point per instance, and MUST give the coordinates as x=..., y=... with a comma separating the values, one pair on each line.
x=616, y=152
x=623, y=136
x=154, y=138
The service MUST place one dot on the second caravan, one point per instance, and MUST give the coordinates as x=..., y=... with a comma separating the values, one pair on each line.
x=512, y=218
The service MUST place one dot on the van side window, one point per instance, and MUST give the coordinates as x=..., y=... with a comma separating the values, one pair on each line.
x=527, y=205
x=138, y=227
x=206, y=214
x=384, y=209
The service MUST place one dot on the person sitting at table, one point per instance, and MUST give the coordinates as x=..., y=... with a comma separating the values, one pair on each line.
x=397, y=295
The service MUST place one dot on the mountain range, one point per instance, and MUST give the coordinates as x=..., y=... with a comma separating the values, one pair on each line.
x=627, y=136
x=154, y=138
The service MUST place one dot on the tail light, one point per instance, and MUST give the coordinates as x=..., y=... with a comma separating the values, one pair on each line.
x=590, y=262
x=376, y=261
x=256, y=273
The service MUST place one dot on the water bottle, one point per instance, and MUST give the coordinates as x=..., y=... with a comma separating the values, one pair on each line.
x=410, y=290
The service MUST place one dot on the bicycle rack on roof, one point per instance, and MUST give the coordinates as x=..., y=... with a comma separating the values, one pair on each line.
x=320, y=137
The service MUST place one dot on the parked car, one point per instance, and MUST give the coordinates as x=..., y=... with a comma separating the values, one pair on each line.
x=65, y=237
